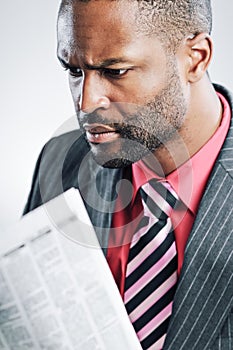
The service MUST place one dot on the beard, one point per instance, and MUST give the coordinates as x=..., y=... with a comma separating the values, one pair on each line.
x=142, y=129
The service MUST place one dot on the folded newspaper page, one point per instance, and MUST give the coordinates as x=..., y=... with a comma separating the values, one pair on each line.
x=56, y=289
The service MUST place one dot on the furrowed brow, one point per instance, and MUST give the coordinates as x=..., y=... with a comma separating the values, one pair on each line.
x=104, y=64
x=64, y=63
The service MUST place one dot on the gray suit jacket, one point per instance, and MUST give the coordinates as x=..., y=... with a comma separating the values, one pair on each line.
x=202, y=315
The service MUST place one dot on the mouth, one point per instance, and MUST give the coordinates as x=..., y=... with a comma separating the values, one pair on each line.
x=99, y=133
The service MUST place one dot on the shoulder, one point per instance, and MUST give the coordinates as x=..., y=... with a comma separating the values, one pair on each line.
x=225, y=92
x=66, y=143
x=61, y=158
x=57, y=168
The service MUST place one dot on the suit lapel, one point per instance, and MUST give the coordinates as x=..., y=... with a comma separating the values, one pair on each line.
x=203, y=297
x=204, y=294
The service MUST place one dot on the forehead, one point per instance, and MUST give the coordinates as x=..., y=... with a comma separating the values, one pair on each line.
x=84, y=16
x=97, y=25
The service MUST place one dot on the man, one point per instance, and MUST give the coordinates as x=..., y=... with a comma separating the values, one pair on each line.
x=150, y=122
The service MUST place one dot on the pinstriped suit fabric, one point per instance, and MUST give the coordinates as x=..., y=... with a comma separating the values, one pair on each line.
x=225, y=339
x=207, y=277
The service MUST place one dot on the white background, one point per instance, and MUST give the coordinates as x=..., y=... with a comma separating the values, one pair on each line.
x=35, y=98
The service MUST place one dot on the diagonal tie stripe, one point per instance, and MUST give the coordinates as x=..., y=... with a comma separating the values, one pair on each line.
x=150, y=287
x=165, y=192
x=153, y=297
x=153, y=206
x=149, y=262
x=154, y=338
x=145, y=240
x=156, y=309
x=152, y=264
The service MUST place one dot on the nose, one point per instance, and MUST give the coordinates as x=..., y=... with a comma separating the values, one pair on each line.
x=93, y=94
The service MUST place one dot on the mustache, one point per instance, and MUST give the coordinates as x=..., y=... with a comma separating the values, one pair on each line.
x=95, y=118
x=131, y=130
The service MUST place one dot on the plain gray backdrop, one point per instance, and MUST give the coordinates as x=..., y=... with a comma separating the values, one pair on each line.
x=35, y=99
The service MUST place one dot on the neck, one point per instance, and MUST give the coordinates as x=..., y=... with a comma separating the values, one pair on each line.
x=202, y=119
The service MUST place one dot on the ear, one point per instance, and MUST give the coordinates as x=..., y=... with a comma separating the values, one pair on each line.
x=200, y=50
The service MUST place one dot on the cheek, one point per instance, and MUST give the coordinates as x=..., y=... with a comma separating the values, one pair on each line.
x=150, y=85
x=76, y=90
x=140, y=90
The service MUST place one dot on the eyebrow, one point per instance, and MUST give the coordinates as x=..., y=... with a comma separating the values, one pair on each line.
x=104, y=64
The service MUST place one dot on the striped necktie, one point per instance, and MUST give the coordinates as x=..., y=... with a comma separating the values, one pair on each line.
x=151, y=272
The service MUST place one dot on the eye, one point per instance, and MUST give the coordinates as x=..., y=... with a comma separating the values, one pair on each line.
x=75, y=72
x=114, y=73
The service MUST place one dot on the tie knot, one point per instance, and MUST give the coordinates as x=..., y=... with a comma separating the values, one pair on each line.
x=159, y=197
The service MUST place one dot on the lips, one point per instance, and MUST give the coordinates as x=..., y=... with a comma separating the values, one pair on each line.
x=99, y=133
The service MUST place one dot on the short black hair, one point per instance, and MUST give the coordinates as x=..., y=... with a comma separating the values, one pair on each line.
x=171, y=20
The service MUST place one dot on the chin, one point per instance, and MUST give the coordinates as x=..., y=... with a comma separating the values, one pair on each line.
x=115, y=163
x=127, y=154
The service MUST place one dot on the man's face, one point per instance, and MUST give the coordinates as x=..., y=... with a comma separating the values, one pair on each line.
x=126, y=88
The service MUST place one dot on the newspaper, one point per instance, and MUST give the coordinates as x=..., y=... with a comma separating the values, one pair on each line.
x=56, y=289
